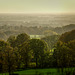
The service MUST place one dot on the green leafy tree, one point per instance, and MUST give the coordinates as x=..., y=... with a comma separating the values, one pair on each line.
x=7, y=57
x=21, y=38
x=9, y=63
x=51, y=40
x=16, y=42
x=63, y=55
x=26, y=53
x=3, y=45
x=68, y=36
x=39, y=48
x=49, y=33
x=71, y=45
x=11, y=41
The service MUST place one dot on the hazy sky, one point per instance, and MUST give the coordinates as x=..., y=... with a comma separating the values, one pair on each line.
x=37, y=6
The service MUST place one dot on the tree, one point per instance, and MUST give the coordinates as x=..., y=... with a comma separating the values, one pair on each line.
x=39, y=48
x=3, y=45
x=68, y=36
x=16, y=43
x=7, y=57
x=21, y=38
x=51, y=40
x=49, y=33
x=11, y=41
x=26, y=53
x=9, y=63
x=63, y=55
x=71, y=45
x=3, y=36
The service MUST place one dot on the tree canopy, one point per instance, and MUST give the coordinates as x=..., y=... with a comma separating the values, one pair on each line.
x=68, y=36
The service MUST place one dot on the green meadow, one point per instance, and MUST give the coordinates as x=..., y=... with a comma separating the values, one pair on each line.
x=36, y=71
x=50, y=71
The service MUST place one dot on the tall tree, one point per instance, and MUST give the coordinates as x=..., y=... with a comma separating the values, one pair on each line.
x=21, y=38
x=9, y=63
x=51, y=40
x=26, y=53
x=11, y=41
x=68, y=36
x=62, y=55
x=71, y=45
x=39, y=48
x=16, y=42
x=3, y=45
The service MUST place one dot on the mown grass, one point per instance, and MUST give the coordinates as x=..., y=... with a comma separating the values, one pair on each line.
x=51, y=71
x=33, y=71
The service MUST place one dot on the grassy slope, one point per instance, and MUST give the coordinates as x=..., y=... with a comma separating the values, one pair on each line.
x=33, y=71
x=43, y=71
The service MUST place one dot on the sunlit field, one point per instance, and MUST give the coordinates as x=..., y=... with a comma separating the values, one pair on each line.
x=50, y=71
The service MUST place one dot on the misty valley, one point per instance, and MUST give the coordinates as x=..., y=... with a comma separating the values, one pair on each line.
x=37, y=44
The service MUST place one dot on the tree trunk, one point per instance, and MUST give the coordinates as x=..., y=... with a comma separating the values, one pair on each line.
x=36, y=63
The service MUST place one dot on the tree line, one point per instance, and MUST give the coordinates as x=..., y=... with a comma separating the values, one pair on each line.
x=21, y=52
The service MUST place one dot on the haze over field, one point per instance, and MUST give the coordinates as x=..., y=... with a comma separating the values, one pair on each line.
x=44, y=20
x=53, y=13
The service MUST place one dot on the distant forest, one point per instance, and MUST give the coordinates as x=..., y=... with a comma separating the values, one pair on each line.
x=6, y=30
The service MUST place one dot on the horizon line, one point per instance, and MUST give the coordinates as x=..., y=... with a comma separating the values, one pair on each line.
x=68, y=13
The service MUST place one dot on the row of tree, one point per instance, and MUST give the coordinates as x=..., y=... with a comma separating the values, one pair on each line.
x=22, y=52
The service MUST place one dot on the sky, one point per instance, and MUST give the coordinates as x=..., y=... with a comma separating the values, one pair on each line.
x=37, y=6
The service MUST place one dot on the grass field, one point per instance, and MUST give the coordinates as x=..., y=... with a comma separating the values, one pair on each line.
x=36, y=71
x=51, y=71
